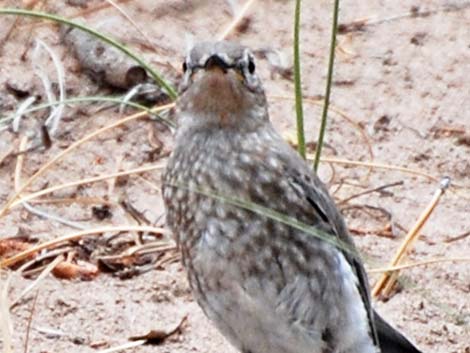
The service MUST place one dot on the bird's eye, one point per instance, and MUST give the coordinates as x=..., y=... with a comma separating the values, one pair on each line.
x=185, y=66
x=251, y=66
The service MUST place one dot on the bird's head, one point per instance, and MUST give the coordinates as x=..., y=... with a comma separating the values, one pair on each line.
x=220, y=87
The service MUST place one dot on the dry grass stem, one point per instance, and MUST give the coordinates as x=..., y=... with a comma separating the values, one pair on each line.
x=385, y=284
x=5, y=154
x=232, y=25
x=149, y=248
x=175, y=257
x=48, y=269
x=85, y=181
x=95, y=9
x=124, y=346
x=419, y=263
x=29, y=208
x=380, y=188
x=52, y=122
x=30, y=320
x=132, y=22
x=376, y=165
x=19, y=163
x=76, y=236
x=6, y=325
x=68, y=200
x=360, y=24
x=152, y=185
x=73, y=146
x=53, y=217
x=112, y=181
x=457, y=238
x=143, y=249
x=44, y=256
x=342, y=114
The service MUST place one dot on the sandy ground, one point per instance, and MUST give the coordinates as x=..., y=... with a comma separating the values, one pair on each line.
x=404, y=81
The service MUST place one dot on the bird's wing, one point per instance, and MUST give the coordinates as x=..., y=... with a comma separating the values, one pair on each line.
x=327, y=216
x=388, y=338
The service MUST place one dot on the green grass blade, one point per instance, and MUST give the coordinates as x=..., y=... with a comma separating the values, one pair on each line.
x=20, y=12
x=274, y=215
x=331, y=61
x=77, y=100
x=298, y=83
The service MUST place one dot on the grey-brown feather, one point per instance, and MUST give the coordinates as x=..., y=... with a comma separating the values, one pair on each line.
x=268, y=287
x=223, y=244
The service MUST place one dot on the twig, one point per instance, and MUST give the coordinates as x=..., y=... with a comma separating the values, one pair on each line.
x=158, y=336
x=387, y=281
x=386, y=231
x=236, y=20
x=76, y=236
x=380, y=188
x=321, y=135
x=458, y=237
x=133, y=213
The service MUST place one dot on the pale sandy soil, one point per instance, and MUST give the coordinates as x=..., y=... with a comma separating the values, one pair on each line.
x=405, y=81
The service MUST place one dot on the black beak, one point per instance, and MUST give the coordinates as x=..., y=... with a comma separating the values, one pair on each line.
x=214, y=61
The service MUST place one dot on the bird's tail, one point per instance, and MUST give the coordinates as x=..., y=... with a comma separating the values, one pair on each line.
x=390, y=340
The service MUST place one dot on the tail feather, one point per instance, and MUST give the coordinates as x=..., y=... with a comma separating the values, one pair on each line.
x=390, y=340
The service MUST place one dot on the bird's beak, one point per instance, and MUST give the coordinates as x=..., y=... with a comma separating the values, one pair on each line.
x=217, y=75
x=215, y=62
x=219, y=72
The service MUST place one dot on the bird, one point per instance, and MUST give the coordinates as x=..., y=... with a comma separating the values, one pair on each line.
x=267, y=253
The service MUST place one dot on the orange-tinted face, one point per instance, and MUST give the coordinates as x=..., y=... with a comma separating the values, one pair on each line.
x=219, y=90
x=220, y=82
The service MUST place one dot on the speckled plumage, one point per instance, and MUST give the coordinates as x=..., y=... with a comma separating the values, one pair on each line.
x=268, y=287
